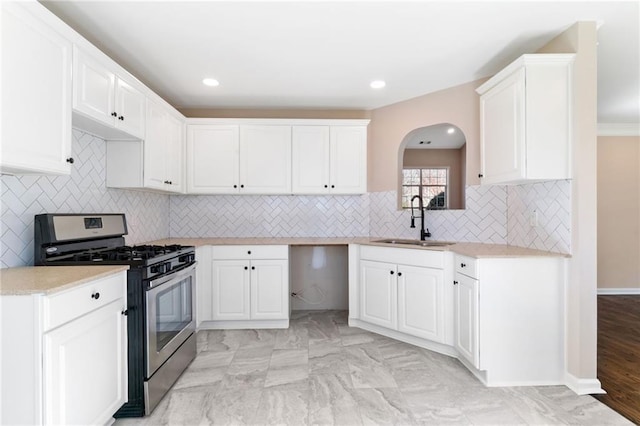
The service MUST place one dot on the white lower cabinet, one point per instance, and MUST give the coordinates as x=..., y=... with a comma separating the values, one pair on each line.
x=85, y=369
x=248, y=288
x=509, y=320
x=409, y=298
x=64, y=355
x=466, y=318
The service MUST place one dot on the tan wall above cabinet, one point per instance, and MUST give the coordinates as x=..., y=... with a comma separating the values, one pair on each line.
x=265, y=156
x=526, y=122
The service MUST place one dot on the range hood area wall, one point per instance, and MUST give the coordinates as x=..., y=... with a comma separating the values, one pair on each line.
x=83, y=191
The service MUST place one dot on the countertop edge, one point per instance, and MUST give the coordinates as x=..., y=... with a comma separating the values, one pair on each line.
x=32, y=280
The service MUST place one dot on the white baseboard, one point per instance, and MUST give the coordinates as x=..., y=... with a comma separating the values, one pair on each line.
x=618, y=291
x=583, y=386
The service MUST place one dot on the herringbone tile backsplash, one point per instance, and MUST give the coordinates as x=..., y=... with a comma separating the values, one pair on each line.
x=494, y=214
x=269, y=216
x=83, y=191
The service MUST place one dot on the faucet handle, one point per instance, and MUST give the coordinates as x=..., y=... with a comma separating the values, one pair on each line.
x=413, y=222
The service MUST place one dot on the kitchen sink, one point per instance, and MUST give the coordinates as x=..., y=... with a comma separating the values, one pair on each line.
x=415, y=242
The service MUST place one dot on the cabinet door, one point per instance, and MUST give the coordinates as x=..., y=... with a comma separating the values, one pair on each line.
x=175, y=153
x=155, y=148
x=421, y=302
x=310, y=156
x=230, y=285
x=502, y=132
x=93, y=88
x=130, y=109
x=467, y=318
x=85, y=370
x=265, y=159
x=213, y=159
x=269, y=289
x=36, y=94
x=348, y=159
x=378, y=293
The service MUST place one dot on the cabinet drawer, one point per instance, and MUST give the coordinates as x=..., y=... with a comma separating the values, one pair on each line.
x=65, y=306
x=467, y=266
x=402, y=256
x=249, y=252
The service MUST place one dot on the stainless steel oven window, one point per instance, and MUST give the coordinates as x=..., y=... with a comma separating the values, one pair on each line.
x=169, y=319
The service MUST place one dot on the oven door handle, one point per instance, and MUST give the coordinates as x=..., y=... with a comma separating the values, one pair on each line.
x=172, y=276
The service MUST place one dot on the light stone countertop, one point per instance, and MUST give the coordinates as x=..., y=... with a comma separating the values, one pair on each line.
x=51, y=279
x=477, y=250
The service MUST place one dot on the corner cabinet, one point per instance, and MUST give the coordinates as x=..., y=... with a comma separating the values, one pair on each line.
x=329, y=159
x=526, y=121
x=155, y=163
x=36, y=105
x=64, y=355
x=248, y=287
x=276, y=156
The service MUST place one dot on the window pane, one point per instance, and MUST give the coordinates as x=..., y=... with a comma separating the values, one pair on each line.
x=411, y=177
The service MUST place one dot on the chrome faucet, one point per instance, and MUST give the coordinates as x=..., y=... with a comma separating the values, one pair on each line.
x=423, y=234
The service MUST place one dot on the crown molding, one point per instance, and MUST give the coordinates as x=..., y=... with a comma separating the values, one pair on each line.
x=618, y=129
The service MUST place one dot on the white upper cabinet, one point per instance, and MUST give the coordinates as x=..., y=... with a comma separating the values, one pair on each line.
x=100, y=94
x=238, y=159
x=213, y=159
x=329, y=159
x=36, y=91
x=276, y=156
x=525, y=121
x=155, y=163
x=265, y=159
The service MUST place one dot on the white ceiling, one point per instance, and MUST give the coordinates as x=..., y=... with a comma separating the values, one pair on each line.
x=323, y=55
x=435, y=137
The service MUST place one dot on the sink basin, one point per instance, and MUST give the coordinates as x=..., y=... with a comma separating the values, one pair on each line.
x=415, y=242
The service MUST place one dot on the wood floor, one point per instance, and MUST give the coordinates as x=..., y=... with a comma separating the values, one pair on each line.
x=619, y=354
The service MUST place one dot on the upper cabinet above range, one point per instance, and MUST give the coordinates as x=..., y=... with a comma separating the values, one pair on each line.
x=104, y=103
x=526, y=121
x=276, y=156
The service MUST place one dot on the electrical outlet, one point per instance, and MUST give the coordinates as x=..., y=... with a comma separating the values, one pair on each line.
x=533, y=218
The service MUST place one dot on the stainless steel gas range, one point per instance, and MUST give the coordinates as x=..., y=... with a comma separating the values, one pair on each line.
x=160, y=288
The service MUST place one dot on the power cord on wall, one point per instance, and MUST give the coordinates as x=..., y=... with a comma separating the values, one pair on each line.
x=298, y=295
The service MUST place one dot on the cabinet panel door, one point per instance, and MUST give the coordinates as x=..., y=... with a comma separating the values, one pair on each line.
x=85, y=370
x=348, y=159
x=130, y=106
x=93, y=88
x=155, y=148
x=230, y=296
x=378, y=293
x=421, y=302
x=310, y=156
x=175, y=153
x=36, y=95
x=502, y=147
x=269, y=289
x=265, y=159
x=467, y=318
x=213, y=159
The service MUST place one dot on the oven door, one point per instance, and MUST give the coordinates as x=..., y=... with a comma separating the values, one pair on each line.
x=170, y=320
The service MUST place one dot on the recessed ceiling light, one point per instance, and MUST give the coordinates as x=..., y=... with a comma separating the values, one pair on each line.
x=377, y=84
x=210, y=82
x=451, y=130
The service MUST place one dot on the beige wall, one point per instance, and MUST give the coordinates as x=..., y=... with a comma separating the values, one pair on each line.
x=389, y=125
x=619, y=212
x=274, y=113
x=450, y=158
x=581, y=305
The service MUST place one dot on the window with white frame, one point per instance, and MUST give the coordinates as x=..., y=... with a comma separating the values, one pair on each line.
x=429, y=183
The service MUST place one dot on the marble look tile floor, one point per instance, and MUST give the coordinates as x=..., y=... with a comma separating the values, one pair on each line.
x=320, y=371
